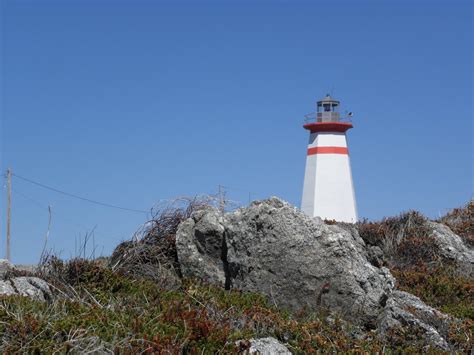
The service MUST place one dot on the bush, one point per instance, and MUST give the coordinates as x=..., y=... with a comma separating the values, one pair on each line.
x=405, y=240
x=152, y=252
x=441, y=287
x=461, y=222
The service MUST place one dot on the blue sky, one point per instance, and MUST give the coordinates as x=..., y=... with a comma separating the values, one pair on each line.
x=130, y=102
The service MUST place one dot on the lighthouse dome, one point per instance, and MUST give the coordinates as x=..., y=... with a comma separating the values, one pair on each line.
x=328, y=99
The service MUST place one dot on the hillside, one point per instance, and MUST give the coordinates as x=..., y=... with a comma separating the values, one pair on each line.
x=199, y=281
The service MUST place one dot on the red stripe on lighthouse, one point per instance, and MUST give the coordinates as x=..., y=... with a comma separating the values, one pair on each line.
x=328, y=150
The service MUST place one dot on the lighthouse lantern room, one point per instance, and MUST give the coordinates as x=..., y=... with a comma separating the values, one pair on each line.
x=328, y=190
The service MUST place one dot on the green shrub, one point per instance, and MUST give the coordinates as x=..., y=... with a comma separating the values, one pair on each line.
x=440, y=287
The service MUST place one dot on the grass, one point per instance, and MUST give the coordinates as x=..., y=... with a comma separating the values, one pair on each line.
x=130, y=308
x=441, y=287
x=100, y=308
x=405, y=240
x=444, y=289
x=414, y=260
x=461, y=222
x=135, y=315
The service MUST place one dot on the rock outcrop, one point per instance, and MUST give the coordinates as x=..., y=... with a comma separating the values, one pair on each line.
x=451, y=246
x=408, y=312
x=300, y=262
x=297, y=261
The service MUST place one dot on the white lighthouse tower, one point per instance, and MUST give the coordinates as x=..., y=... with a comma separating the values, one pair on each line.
x=328, y=190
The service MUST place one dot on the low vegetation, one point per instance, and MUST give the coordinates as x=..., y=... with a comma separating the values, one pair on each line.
x=124, y=305
x=152, y=251
x=461, y=222
x=404, y=240
x=441, y=287
x=414, y=259
x=136, y=315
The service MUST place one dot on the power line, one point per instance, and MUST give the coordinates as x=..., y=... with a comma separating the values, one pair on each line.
x=103, y=204
x=38, y=204
x=239, y=189
x=89, y=231
x=249, y=193
x=47, y=209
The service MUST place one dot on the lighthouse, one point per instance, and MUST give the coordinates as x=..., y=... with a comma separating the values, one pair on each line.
x=328, y=190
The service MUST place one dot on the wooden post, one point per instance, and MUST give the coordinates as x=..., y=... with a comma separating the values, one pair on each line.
x=9, y=212
x=222, y=201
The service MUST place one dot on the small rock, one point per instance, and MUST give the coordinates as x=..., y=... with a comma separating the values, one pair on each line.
x=452, y=247
x=5, y=267
x=32, y=287
x=6, y=288
x=264, y=346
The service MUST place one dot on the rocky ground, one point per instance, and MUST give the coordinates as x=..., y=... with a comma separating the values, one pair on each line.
x=264, y=278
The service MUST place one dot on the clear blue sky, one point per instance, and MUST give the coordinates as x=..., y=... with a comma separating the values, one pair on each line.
x=130, y=102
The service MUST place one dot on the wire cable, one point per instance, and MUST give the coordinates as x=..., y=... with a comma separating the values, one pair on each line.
x=61, y=217
x=103, y=204
x=38, y=204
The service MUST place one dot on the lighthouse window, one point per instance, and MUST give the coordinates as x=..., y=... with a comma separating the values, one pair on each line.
x=327, y=108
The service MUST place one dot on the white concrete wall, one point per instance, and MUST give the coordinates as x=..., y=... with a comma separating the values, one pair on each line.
x=328, y=190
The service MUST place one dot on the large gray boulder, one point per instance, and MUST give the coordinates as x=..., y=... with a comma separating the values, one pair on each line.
x=300, y=262
x=297, y=261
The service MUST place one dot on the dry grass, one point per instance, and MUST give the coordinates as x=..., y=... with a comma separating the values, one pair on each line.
x=152, y=251
x=405, y=240
x=461, y=222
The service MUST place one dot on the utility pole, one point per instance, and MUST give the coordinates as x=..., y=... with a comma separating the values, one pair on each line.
x=9, y=212
x=221, y=198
